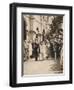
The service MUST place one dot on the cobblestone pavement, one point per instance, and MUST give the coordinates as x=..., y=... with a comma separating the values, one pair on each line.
x=32, y=67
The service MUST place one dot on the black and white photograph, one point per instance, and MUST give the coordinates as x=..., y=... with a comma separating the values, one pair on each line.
x=42, y=44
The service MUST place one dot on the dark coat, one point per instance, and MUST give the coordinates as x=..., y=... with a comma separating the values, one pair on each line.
x=35, y=49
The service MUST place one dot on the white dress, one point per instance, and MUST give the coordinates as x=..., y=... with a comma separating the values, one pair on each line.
x=41, y=52
x=44, y=51
x=30, y=49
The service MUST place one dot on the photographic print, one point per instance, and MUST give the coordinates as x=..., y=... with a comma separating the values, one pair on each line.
x=40, y=45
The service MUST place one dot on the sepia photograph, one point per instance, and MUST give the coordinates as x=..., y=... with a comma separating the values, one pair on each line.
x=42, y=44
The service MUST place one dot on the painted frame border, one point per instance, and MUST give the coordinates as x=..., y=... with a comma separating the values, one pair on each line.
x=13, y=44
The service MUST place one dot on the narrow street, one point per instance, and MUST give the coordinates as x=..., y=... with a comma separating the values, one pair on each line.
x=32, y=67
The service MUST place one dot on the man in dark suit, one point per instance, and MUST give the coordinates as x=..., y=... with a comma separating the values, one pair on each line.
x=35, y=50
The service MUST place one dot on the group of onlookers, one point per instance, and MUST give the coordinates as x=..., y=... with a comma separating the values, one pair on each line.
x=43, y=50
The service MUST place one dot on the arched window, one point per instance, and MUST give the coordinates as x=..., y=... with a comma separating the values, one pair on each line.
x=37, y=29
x=37, y=32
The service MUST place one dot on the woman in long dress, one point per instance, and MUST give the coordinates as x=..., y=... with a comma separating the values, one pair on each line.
x=44, y=51
x=41, y=57
x=30, y=49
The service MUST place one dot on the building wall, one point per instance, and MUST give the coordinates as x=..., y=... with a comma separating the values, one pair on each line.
x=37, y=23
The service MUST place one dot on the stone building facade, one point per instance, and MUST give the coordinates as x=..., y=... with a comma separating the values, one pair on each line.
x=36, y=25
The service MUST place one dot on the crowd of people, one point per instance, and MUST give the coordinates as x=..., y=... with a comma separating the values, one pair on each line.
x=36, y=50
x=43, y=50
